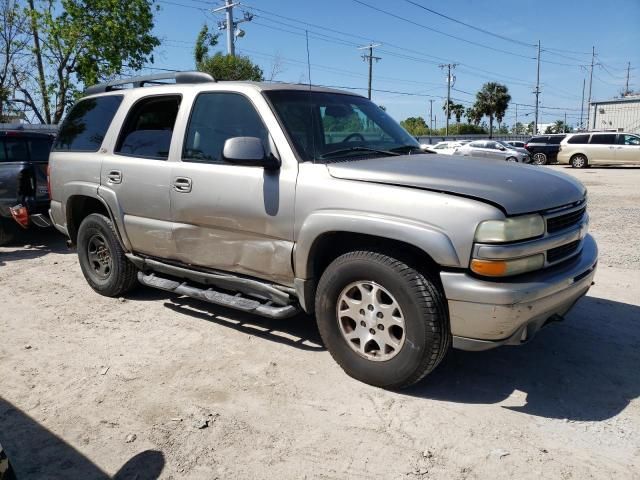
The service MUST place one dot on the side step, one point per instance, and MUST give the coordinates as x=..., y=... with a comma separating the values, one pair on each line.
x=224, y=299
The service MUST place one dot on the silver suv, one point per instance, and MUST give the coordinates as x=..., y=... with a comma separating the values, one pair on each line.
x=276, y=199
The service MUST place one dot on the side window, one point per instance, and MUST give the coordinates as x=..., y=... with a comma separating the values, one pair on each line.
x=555, y=140
x=628, y=140
x=538, y=140
x=39, y=149
x=87, y=123
x=477, y=144
x=16, y=150
x=148, y=128
x=579, y=139
x=603, y=139
x=215, y=118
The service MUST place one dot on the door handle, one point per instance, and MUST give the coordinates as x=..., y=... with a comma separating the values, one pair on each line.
x=114, y=176
x=182, y=184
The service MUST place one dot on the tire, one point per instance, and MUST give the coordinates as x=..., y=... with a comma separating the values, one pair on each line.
x=579, y=161
x=102, y=259
x=512, y=159
x=539, y=159
x=421, y=343
x=7, y=231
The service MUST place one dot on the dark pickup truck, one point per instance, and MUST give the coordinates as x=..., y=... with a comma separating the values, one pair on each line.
x=24, y=194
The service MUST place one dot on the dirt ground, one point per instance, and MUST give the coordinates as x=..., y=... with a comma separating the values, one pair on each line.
x=153, y=384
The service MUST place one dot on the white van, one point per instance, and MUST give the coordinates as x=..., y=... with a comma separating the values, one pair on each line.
x=583, y=149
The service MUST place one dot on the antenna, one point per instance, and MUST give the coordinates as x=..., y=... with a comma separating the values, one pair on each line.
x=313, y=127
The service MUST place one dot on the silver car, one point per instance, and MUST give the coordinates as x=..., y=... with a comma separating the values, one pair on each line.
x=276, y=199
x=495, y=150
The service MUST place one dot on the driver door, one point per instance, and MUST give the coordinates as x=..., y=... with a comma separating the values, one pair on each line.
x=235, y=218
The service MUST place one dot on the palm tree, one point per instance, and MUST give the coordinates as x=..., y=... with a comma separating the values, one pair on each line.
x=458, y=111
x=444, y=108
x=473, y=116
x=492, y=100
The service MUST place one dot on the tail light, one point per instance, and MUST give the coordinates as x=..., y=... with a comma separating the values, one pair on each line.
x=21, y=215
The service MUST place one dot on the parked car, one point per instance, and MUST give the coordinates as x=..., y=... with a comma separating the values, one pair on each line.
x=444, y=148
x=494, y=150
x=516, y=143
x=24, y=197
x=544, y=148
x=229, y=193
x=584, y=149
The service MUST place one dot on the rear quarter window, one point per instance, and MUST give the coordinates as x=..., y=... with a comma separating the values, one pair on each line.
x=579, y=139
x=556, y=140
x=86, y=124
x=538, y=140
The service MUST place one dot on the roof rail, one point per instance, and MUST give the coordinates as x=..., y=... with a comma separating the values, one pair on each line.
x=179, y=77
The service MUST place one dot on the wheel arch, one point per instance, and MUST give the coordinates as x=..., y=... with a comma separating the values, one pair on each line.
x=80, y=206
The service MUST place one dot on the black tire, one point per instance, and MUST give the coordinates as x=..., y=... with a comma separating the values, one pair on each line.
x=579, y=161
x=512, y=159
x=7, y=231
x=423, y=306
x=539, y=158
x=106, y=269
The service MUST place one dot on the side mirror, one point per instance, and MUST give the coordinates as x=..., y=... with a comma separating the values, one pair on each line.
x=501, y=148
x=249, y=151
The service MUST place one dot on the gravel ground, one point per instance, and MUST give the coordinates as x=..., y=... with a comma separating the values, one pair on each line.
x=164, y=386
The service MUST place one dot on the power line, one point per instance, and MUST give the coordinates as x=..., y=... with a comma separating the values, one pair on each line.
x=391, y=14
x=493, y=34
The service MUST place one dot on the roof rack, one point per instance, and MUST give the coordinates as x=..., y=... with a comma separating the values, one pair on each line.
x=179, y=77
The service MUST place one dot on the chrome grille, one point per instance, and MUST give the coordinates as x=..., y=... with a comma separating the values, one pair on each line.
x=555, y=224
x=563, y=251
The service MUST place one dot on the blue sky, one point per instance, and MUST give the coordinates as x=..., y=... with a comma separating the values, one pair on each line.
x=411, y=53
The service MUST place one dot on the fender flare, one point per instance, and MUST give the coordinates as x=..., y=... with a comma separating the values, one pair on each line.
x=427, y=238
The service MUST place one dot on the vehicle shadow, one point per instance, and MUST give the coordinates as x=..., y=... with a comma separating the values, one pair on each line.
x=585, y=369
x=299, y=331
x=35, y=452
x=40, y=242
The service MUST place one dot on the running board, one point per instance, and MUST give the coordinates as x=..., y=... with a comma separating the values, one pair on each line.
x=224, y=299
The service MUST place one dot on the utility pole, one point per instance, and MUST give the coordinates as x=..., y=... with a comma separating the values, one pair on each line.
x=231, y=26
x=537, y=92
x=370, y=58
x=564, y=125
x=584, y=80
x=431, y=116
x=626, y=88
x=516, y=127
x=449, y=67
x=593, y=59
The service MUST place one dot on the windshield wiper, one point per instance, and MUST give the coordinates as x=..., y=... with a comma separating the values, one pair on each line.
x=343, y=151
x=407, y=149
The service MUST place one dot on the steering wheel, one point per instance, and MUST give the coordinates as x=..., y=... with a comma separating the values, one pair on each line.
x=353, y=135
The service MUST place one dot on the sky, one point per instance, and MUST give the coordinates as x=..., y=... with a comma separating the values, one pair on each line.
x=499, y=43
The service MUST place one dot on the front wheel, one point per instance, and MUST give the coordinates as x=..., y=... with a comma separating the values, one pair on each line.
x=384, y=322
x=512, y=159
x=102, y=259
x=579, y=161
x=539, y=159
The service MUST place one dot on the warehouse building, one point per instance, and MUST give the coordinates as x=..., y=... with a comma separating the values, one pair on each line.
x=620, y=114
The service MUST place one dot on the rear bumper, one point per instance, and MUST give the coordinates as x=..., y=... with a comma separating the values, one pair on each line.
x=486, y=314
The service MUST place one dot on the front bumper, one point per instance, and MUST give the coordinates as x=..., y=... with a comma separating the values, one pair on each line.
x=486, y=314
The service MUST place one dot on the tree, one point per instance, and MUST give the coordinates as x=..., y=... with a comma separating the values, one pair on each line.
x=220, y=66
x=558, y=127
x=81, y=42
x=492, y=100
x=473, y=116
x=458, y=110
x=416, y=126
x=14, y=44
x=444, y=108
x=518, y=129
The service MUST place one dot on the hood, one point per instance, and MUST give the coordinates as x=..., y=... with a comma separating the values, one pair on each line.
x=513, y=187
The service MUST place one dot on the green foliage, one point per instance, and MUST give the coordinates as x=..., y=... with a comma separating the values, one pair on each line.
x=558, y=127
x=220, y=66
x=85, y=41
x=518, y=129
x=349, y=123
x=228, y=67
x=473, y=116
x=461, y=129
x=416, y=126
x=492, y=100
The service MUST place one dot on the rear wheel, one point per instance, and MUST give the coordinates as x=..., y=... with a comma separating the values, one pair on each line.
x=579, y=161
x=512, y=159
x=384, y=322
x=539, y=159
x=102, y=259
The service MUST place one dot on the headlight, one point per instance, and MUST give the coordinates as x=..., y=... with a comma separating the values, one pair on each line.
x=505, y=268
x=510, y=229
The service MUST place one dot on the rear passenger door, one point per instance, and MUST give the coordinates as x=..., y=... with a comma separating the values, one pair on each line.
x=136, y=174
x=628, y=148
x=602, y=148
x=231, y=217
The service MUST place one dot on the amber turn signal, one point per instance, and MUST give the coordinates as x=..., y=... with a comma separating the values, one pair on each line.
x=489, y=268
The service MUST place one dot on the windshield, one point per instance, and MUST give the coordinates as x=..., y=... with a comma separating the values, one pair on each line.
x=507, y=145
x=325, y=125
